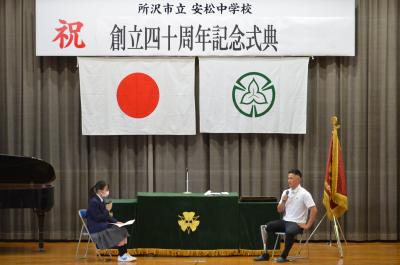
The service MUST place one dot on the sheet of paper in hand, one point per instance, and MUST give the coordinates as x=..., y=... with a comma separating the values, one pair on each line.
x=124, y=224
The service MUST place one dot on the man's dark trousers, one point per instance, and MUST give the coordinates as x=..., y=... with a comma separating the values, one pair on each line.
x=291, y=229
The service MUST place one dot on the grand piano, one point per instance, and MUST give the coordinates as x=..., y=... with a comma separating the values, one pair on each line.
x=25, y=182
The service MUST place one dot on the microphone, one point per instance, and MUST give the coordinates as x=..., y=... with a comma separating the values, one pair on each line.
x=287, y=195
x=187, y=182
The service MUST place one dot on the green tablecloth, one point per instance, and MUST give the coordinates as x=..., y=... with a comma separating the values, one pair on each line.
x=225, y=225
x=159, y=214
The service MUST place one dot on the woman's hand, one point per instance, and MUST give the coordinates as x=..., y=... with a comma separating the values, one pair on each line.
x=109, y=206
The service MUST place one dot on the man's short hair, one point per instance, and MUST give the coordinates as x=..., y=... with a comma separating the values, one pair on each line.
x=295, y=171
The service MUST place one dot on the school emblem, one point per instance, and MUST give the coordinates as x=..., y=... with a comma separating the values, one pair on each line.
x=253, y=94
x=188, y=222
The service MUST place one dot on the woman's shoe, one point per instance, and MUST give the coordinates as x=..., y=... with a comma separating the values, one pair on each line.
x=126, y=258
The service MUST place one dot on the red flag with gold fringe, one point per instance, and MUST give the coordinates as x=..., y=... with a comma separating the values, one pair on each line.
x=335, y=191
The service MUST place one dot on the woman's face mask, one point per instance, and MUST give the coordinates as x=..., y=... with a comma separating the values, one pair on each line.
x=105, y=194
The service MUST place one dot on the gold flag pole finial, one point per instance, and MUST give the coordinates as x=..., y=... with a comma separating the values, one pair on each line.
x=335, y=124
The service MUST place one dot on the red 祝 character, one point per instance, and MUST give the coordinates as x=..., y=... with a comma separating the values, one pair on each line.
x=69, y=32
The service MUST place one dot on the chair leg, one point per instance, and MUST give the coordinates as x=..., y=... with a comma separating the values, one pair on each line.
x=301, y=243
x=87, y=246
x=308, y=247
x=276, y=243
x=79, y=242
x=300, y=246
x=305, y=243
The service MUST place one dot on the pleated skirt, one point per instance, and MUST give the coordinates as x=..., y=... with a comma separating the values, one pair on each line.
x=110, y=237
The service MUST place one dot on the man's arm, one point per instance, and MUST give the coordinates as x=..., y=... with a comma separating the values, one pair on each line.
x=281, y=207
x=281, y=204
x=311, y=219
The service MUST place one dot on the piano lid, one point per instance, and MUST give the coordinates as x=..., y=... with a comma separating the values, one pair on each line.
x=25, y=170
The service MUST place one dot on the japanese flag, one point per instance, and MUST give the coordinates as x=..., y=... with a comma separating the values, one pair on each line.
x=128, y=96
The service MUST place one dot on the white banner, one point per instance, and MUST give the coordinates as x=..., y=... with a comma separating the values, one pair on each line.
x=195, y=28
x=253, y=95
x=125, y=96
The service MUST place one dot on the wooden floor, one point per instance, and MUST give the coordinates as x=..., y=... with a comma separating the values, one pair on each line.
x=320, y=253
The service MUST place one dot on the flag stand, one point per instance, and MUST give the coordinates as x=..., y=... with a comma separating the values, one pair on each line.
x=336, y=228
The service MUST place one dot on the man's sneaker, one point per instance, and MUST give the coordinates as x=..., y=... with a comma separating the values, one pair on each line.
x=126, y=258
x=262, y=257
x=281, y=260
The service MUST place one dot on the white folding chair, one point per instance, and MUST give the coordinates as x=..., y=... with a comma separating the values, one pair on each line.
x=282, y=235
x=85, y=233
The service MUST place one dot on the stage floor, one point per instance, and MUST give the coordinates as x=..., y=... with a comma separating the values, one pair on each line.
x=320, y=253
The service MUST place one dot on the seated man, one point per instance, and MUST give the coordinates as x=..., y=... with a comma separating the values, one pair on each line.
x=295, y=203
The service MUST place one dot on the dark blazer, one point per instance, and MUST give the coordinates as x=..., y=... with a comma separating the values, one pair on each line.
x=98, y=217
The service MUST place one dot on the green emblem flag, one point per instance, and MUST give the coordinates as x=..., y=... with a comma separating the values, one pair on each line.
x=253, y=95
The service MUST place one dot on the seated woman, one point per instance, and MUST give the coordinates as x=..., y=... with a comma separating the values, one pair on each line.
x=99, y=222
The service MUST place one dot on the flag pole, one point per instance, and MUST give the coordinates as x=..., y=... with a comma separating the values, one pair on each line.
x=334, y=166
x=336, y=225
x=330, y=234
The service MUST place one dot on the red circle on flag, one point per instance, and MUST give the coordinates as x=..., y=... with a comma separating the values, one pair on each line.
x=138, y=95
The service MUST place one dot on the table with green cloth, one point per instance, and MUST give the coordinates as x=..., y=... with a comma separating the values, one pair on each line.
x=194, y=224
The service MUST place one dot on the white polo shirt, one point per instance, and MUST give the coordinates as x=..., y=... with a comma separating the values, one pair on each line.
x=297, y=205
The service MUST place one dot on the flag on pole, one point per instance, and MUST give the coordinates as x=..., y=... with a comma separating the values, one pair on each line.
x=253, y=95
x=128, y=96
x=335, y=192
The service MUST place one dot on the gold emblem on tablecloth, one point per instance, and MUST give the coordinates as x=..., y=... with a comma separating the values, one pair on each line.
x=188, y=221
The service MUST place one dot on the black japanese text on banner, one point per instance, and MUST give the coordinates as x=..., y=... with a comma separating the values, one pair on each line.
x=195, y=28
